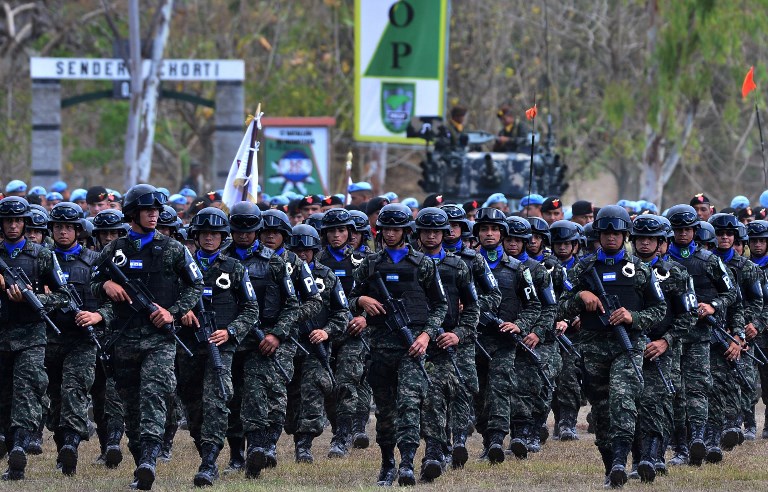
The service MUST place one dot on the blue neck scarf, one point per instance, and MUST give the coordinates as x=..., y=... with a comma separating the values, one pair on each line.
x=762, y=262
x=71, y=253
x=338, y=254
x=652, y=261
x=493, y=257
x=457, y=246
x=280, y=251
x=539, y=257
x=439, y=256
x=607, y=259
x=206, y=260
x=244, y=253
x=397, y=254
x=522, y=257
x=726, y=255
x=13, y=249
x=141, y=240
x=681, y=253
x=568, y=264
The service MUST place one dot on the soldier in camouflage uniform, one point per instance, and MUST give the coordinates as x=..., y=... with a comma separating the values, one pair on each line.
x=70, y=359
x=349, y=350
x=499, y=332
x=459, y=327
x=254, y=371
x=610, y=381
x=23, y=380
x=489, y=297
x=399, y=388
x=714, y=294
x=565, y=237
x=758, y=248
x=230, y=301
x=142, y=349
x=654, y=416
x=316, y=335
x=274, y=232
x=107, y=408
x=725, y=416
x=530, y=399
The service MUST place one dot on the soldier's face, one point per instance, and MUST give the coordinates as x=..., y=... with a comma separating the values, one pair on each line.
x=703, y=210
x=243, y=239
x=337, y=236
x=209, y=241
x=513, y=246
x=553, y=215
x=355, y=239
x=392, y=236
x=583, y=219
x=34, y=235
x=563, y=250
x=164, y=230
x=96, y=207
x=532, y=211
x=724, y=238
x=309, y=210
x=489, y=235
x=646, y=246
x=535, y=244
x=611, y=241
x=738, y=247
x=272, y=239
x=13, y=228
x=106, y=237
x=307, y=255
x=147, y=218
x=431, y=239
x=758, y=246
x=64, y=235
x=684, y=236
x=455, y=233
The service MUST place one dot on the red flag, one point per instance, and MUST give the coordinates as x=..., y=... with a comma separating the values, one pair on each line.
x=531, y=112
x=749, y=83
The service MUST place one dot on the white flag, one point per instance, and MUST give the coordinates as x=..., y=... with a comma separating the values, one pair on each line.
x=242, y=186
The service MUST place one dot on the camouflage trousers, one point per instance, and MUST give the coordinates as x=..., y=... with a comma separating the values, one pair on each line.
x=315, y=393
x=678, y=400
x=145, y=379
x=23, y=382
x=749, y=398
x=568, y=392
x=612, y=386
x=399, y=389
x=353, y=394
x=497, y=383
x=691, y=400
x=553, y=365
x=199, y=390
x=175, y=405
x=107, y=407
x=264, y=394
x=440, y=394
x=725, y=391
x=461, y=407
x=71, y=370
x=762, y=340
x=654, y=408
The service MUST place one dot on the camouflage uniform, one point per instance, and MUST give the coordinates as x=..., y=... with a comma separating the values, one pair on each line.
x=398, y=399
x=498, y=379
x=762, y=341
x=259, y=388
x=23, y=380
x=610, y=381
x=143, y=355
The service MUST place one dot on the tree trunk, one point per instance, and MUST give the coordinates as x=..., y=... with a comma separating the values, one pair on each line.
x=130, y=176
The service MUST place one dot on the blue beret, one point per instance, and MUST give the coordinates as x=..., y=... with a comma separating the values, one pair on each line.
x=16, y=185
x=740, y=201
x=533, y=199
x=37, y=190
x=54, y=195
x=496, y=198
x=164, y=191
x=360, y=186
x=188, y=192
x=177, y=199
x=279, y=200
x=59, y=186
x=391, y=196
x=764, y=199
x=78, y=194
x=410, y=202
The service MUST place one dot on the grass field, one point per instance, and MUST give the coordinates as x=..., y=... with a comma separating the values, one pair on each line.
x=573, y=466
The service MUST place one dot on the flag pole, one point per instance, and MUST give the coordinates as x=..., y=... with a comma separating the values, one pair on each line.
x=252, y=148
x=348, y=198
x=762, y=145
x=533, y=141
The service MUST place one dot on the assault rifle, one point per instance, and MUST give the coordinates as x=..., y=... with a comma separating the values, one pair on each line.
x=722, y=338
x=669, y=385
x=398, y=320
x=317, y=349
x=610, y=304
x=207, y=327
x=488, y=320
x=568, y=346
x=16, y=276
x=451, y=352
x=717, y=327
x=141, y=298
x=259, y=334
x=73, y=305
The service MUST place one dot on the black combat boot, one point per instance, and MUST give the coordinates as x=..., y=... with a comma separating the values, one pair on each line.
x=35, y=446
x=661, y=461
x=166, y=450
x=459, y=454
x=432, y=464
x=405, y=475
x=273, y=435
x=567, y=425
x=534, y=441
x=255, y=458
x=17, y=457
x=145, y=473
x=607, y=456
x=388, y=468
x=3, y=447
x=649, y=452
x=542, y=430
x=303, y=443
x=750, y=425
x=236, y=454
x=208, y=471
x=113, y=455
x=618, y=474
x=635, y=453
x=68, y=453
x=360, y=438
x=496, y=447
x=730, y=436
x=712, y=436
x=340, y=439
x=519, y=442
x=698, y=450
x=679, y=447
x=486, y=444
